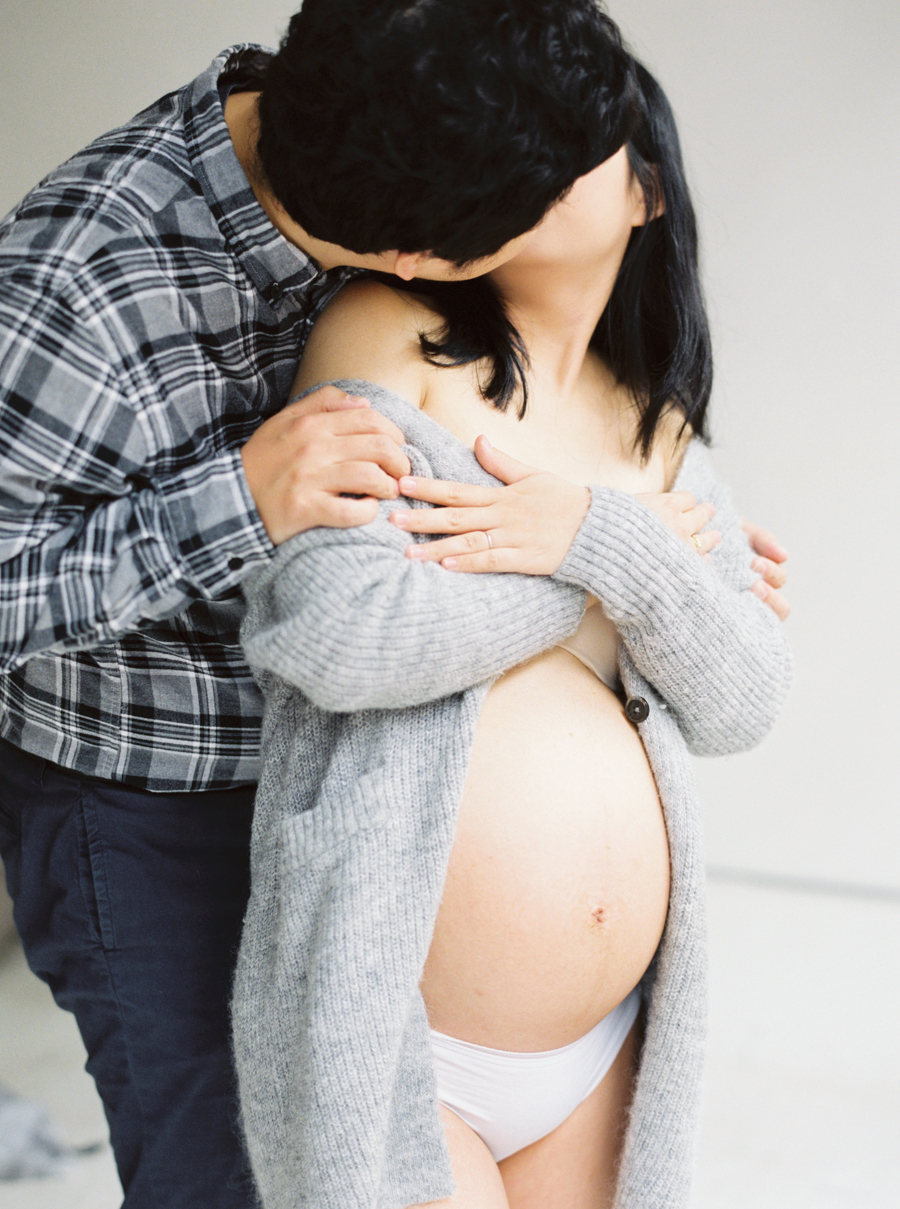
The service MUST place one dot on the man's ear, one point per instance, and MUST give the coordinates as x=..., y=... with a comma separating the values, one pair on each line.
x=406, y=264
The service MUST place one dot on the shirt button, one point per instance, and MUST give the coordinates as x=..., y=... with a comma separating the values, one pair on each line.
x=235, y=564
x=637, y=710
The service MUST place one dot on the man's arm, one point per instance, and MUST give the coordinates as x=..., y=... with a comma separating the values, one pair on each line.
x=95, y=540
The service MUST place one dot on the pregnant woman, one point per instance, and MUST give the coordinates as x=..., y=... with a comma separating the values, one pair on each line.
x=473, y=964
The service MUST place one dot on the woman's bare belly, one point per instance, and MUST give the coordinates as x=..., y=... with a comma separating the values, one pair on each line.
x=558, y=880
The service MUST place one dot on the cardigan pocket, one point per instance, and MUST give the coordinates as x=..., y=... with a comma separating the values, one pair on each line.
x=336, y=815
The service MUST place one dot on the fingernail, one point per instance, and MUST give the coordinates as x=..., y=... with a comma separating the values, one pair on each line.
x=400, y=519
x=407, y=485
x=490, y=447
x=449, y=563
x=415, y=552
x=759, y=589
x=758, y=565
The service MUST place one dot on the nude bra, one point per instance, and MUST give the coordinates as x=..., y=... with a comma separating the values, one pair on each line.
x=595, y=643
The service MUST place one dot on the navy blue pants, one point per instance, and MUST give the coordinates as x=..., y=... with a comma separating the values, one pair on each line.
x=129, y=905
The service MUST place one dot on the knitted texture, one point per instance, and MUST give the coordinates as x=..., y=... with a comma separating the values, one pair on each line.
x=374, y=668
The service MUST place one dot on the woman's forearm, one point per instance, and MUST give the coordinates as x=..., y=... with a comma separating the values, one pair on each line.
x=345, y=617
x=692, y=626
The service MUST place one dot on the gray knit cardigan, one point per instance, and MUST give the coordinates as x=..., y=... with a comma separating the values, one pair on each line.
x=374, y=668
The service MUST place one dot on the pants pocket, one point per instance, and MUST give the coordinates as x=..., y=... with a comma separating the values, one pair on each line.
x=10, y=831
x=92, y=871
x=9, y=823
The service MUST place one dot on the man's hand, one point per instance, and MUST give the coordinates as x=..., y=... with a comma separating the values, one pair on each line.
x=768, y=564
x=302, y=462
x=526, y=526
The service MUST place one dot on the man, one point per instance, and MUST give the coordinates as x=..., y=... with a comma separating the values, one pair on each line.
x=155, y=294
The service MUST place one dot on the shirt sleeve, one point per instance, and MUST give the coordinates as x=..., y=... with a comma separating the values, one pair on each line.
x=95, y=539
x=709, y=646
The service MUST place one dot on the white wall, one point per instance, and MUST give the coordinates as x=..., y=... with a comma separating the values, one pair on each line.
x=789, y=115
x=72, y=69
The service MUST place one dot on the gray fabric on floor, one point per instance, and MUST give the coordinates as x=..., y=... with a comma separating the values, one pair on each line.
x=30, y=1145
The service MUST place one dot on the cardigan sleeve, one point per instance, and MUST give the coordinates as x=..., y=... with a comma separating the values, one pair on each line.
x=345, y=617
x=709, y=646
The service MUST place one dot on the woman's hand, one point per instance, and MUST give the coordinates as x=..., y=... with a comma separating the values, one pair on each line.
x=680, y=512
x=533, y=521
x=526, y=526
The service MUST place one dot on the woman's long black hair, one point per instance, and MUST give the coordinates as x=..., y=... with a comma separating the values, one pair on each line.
x=653, y=334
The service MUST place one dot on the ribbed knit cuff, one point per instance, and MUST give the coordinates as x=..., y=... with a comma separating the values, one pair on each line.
x=624, y=555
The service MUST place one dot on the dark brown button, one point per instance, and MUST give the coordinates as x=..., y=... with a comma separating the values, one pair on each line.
x=637, y=709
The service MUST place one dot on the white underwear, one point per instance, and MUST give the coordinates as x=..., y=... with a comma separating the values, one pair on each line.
x=511, y=1100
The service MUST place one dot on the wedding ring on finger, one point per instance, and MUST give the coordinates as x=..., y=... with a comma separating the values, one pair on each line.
x=490, y=540
x=695, y=537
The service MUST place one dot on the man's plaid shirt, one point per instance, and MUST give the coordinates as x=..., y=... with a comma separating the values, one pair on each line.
x=150, y=317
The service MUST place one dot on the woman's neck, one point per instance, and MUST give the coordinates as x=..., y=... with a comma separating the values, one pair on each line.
x=555, y=309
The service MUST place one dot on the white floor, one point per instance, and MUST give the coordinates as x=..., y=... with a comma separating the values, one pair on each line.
x=803, y=1091
x=802, y=1107
x=42, y=1058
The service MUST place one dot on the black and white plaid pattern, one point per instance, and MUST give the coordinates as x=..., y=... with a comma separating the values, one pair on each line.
x=150, y=317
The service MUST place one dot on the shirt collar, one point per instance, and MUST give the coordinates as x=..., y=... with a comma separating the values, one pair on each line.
x=276, y=266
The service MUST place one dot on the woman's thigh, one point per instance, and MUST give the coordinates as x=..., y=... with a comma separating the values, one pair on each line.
x=575, y=1166
x=478, y=1182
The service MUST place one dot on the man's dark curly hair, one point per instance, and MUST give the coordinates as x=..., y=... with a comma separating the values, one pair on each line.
x=654, y=333
x=443, y=126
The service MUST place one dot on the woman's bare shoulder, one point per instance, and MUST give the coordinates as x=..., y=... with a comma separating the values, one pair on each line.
x=673, y=436
x=368, y=331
